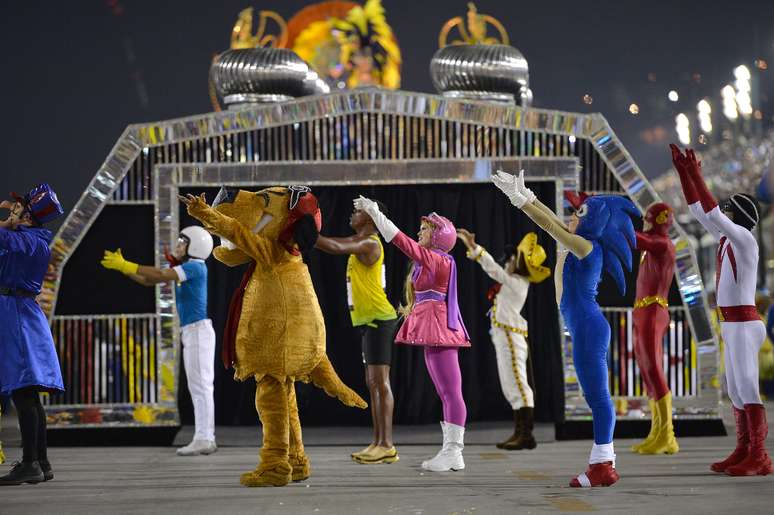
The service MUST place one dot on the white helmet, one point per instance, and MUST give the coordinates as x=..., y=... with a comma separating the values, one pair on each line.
x=199, y=242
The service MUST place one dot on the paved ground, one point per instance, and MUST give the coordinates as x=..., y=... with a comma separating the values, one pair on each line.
x=142, y=480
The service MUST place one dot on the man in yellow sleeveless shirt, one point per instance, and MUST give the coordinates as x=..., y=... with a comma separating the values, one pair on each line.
x=374, y=315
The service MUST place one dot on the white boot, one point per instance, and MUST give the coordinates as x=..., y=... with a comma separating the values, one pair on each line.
x=450, y=455
x=197, y=447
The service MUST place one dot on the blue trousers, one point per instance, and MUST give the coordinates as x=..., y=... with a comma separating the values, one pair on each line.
x=590, y=341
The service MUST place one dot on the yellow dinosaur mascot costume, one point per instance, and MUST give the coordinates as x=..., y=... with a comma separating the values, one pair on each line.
x=280, y=334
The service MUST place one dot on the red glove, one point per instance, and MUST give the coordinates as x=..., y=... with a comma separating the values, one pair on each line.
x=708, y=202
x=686, y=180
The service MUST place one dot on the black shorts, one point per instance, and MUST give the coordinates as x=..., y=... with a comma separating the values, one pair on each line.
x=377, y=342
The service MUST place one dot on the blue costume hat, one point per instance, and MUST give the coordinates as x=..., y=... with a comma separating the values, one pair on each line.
x=41, y=203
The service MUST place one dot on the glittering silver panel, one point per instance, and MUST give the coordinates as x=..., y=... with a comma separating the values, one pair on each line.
x=374, y=126
x=106, y=359
x=364, y=137
x=626, y=385
x=563, y=171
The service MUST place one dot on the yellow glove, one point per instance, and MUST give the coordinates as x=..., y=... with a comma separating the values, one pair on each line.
x=116, y=261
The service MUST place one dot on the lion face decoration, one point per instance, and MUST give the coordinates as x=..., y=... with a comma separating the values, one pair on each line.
x=271, y=212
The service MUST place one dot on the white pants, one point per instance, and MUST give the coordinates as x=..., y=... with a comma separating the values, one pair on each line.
x=199, y=361
x=741, y=342
x=512, y=367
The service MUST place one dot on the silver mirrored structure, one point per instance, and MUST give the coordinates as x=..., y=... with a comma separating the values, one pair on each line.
x=369, y=136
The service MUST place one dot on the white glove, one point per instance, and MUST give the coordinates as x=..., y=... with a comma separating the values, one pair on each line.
x=366, y=204
x=523, y=188
x=371, y=208
x=508, y=184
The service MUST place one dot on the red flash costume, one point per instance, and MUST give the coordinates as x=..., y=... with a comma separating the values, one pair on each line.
x=651, y=320
x=742, y=329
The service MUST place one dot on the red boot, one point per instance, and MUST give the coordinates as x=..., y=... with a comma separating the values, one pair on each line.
x=742, y=443
x=598, y=474
x=757, y=462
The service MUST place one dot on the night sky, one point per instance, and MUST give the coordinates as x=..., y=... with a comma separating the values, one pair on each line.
x=76, y=73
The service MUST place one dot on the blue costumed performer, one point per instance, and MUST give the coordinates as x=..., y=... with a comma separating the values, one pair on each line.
x=28, y=360
x=600, y=236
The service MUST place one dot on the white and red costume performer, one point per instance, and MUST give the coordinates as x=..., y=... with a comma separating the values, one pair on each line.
x=509, y=328
x=651, y=320
x=740, y=325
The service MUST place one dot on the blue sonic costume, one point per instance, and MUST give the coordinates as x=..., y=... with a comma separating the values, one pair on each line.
x=602, y=240
x=28, y=360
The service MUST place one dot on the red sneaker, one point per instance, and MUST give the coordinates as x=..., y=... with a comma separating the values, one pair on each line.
x=742, y=443
x=757, y=461
x=598, y=474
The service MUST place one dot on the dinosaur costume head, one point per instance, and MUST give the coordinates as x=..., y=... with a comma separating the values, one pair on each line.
x=272, y=212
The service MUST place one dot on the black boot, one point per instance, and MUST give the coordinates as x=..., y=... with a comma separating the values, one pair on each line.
x=45, y=466
x=516, y=430
x=23, y=472
x=525, y=438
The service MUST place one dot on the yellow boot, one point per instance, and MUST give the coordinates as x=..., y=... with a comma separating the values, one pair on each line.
x=299, y=462
x=653, y=427
x=665, y=441
x=271, y=401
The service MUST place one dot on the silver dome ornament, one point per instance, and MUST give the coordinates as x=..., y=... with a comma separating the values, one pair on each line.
x=261, y=75
x=315, y=85
x=481, y=72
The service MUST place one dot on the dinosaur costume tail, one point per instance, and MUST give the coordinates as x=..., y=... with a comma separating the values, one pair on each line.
x=323, y=376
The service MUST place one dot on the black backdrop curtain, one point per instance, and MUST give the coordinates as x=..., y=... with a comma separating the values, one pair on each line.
x=480, y=208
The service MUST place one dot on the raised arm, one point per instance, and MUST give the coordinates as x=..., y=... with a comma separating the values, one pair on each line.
x=698, y=197
x=252, y=244
x=524, y=199
x=551, y=223
x=144, y=275
x=415, y=251
x=367, y=250
x=230, y=256
x=479, y=254
x=550, y=213
x=740, y=236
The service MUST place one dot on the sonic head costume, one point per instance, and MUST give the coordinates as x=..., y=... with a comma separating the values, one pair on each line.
x=602, y=241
